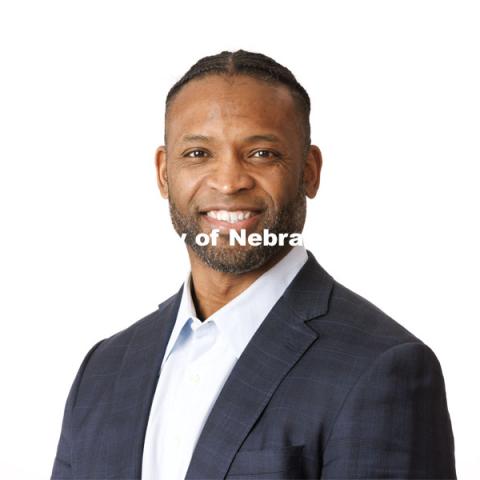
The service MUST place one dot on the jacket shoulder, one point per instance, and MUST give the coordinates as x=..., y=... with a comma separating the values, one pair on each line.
x=106, y=356
x=356, y=326
x=352, y=309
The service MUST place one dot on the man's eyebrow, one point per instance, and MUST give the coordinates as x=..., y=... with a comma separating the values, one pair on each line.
x=190, y=137
x=267, y=137
x=258, y=138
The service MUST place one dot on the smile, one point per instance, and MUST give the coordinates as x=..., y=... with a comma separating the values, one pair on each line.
x=230, y=217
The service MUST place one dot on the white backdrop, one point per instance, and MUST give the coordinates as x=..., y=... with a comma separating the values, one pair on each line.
x=86, y=243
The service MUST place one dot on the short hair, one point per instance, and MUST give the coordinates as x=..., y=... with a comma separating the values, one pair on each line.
x=255, y=65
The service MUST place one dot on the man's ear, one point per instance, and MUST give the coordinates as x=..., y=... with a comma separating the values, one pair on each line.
x=161, y=165
x=311, y=172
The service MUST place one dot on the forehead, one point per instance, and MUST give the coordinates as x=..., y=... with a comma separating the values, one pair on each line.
x=225, y=105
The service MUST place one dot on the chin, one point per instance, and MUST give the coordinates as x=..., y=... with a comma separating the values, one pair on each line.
x=235, y=259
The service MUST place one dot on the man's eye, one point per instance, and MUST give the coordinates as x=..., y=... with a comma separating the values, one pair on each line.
x=265, y=154
x=196, y=154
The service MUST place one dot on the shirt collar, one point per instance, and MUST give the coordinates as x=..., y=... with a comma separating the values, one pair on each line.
x=238, y=320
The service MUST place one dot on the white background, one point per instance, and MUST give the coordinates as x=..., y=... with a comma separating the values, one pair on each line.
x=86, y=242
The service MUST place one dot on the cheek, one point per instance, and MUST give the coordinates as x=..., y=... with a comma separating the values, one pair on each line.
x=279, y=187
x=183, y=184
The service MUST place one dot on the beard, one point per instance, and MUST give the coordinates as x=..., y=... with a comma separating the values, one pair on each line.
x=242, y=258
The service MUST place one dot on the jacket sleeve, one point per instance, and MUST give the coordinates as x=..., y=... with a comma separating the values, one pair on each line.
x=394, y=423
x=62, y=466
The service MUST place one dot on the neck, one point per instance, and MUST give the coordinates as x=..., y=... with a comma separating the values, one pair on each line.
x=211, y=289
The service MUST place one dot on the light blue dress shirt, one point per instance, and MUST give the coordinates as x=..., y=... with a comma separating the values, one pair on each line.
x=198, y=360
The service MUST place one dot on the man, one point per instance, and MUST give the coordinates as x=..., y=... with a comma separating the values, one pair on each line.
x=262, y=365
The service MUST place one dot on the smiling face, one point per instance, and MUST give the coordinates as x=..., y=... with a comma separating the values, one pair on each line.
x=235, y=159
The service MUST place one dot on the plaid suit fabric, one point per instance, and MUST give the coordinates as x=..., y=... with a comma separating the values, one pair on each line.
x=329, y=387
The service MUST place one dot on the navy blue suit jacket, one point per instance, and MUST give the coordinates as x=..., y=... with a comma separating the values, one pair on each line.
x=329, y=387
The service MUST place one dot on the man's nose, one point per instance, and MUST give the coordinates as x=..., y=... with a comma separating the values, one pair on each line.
x=230, y=175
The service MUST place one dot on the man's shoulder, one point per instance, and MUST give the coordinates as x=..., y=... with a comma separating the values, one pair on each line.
x=357, y=311
x=133, y=350
x=354, y=336
x=344, y=313
x=111, y=349
x=357, y=325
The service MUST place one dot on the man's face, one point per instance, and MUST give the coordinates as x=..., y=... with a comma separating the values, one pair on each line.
x=235, y=159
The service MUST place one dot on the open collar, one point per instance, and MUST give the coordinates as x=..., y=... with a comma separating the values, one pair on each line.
x=239, y=319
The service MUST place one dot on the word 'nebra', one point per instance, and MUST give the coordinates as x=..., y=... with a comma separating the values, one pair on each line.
x=255, y=239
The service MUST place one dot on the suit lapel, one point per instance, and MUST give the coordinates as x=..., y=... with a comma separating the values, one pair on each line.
x=278, y=344
x=134, y=390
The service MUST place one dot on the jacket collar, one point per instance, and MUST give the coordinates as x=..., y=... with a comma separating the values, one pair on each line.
x=239, y=319
x=308, y=295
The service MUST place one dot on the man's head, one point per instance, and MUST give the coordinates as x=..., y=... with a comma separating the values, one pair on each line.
x=254, y=65
x=237, y=144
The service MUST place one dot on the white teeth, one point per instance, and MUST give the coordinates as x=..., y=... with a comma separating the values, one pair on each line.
x=230, y=217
